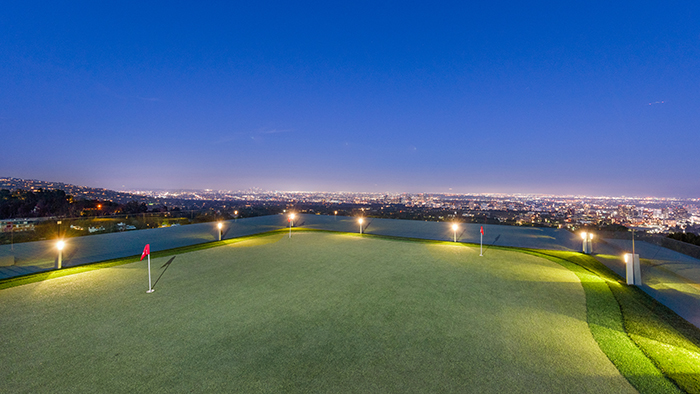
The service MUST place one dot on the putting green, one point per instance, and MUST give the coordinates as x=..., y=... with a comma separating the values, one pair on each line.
x=320, y=312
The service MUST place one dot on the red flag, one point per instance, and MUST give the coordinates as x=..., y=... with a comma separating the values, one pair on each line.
x=146, y=251
x=482, y=230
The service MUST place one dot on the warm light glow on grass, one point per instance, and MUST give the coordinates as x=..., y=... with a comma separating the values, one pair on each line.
x=276, y=282
x=675, y=354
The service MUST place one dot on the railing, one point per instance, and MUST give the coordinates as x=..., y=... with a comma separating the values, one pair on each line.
x=670, y=271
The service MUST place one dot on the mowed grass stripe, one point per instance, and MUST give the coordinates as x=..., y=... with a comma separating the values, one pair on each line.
x=320, y=312
x=671, y=343
x=606, y=323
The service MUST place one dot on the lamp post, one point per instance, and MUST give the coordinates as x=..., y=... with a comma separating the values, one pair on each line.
x=361, y=221
x=291, y=223
x=220, y=226
x=454, y=231
x=633, y=269
x=587, y=242
x=60, y=245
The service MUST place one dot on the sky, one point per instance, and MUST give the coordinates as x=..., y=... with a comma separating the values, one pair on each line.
x=588, y=98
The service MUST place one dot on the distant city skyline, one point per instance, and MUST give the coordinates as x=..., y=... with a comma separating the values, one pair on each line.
x=649, y=214
x=597, y=99
x=14, y=183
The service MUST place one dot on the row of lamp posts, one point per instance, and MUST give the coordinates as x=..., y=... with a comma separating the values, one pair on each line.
x=633, y=269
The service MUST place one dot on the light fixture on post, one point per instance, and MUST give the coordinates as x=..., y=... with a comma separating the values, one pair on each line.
x=361, y=221
x=60, y=245
x=291, y=223
x=587, y=242
x=455, y=227
x=220, y=226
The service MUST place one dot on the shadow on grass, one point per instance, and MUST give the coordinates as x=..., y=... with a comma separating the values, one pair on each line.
x=492, y=243
x=166, y=265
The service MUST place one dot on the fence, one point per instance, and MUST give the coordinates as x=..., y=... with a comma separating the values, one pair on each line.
x=670, y=269
x=669, y=276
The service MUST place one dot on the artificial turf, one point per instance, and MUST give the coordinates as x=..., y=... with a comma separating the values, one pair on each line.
x=670, y=342
x=607, y=325
x=320, y=312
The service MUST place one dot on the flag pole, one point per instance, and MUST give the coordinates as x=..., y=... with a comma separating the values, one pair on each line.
x=481, y=243
x=150, y=288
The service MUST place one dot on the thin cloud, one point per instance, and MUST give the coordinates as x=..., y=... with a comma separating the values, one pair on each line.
x=235, y=136
x=106, y=90
x=275, y=131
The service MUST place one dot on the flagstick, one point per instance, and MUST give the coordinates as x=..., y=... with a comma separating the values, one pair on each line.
x=481, y=245
x=150, y=289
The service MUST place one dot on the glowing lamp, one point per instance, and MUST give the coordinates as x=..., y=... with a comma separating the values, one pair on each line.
x=291, y=222
x=587, y=242
x=60, y=245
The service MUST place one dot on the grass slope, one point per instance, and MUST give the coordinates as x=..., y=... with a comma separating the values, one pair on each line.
x=670, y=342
x=607, y=326
x=320, y=312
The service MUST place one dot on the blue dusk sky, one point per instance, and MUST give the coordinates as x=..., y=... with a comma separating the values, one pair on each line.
x=556, y=97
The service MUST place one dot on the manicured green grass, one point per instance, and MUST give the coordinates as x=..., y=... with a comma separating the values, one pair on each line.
x=41, y=276
x=670, y=342
x=320, y=312
x=607, y=326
